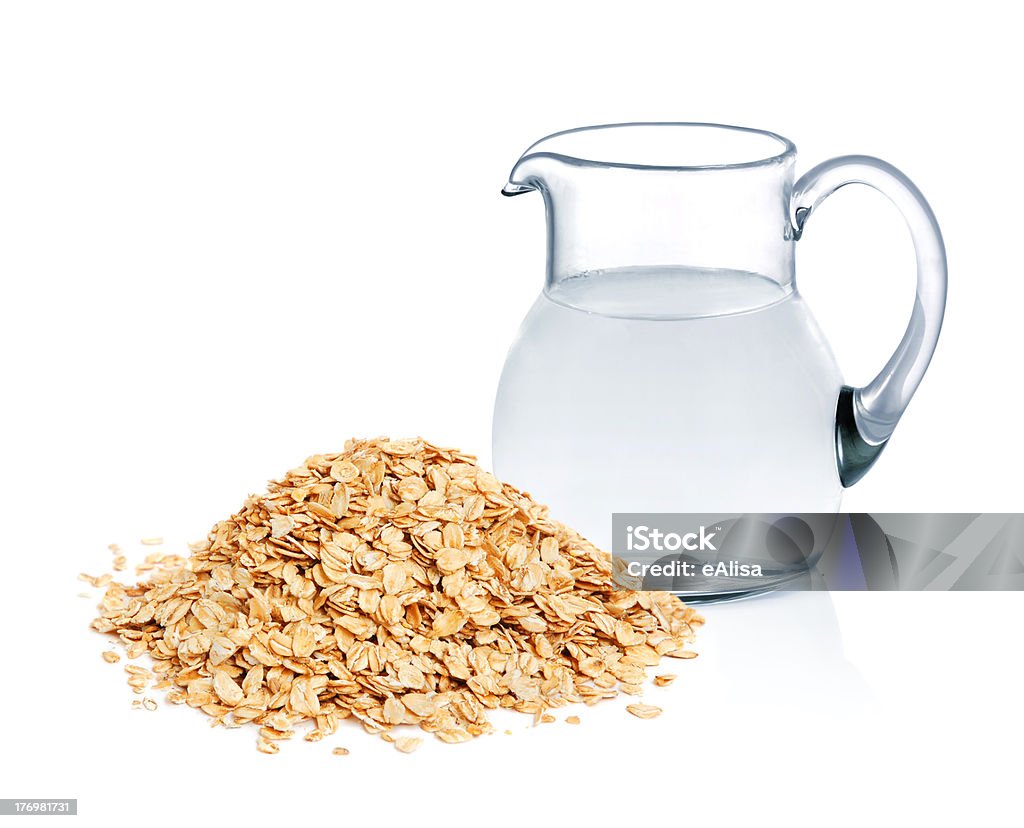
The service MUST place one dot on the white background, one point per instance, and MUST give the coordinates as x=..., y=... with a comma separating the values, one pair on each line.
x=232, y=235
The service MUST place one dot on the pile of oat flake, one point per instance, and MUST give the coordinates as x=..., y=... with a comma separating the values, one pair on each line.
x=397, y=583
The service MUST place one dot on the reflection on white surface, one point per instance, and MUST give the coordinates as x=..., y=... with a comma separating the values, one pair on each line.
x=781, y=652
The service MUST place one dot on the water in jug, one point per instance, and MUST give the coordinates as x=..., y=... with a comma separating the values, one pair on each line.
x=670, y=363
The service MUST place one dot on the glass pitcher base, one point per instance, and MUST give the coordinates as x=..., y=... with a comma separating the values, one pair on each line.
x=775, y=584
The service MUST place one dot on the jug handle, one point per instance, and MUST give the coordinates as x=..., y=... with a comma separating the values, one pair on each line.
x=866, y=417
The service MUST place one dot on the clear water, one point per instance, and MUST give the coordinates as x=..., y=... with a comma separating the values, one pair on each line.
x=674, y=390
x=667, y=293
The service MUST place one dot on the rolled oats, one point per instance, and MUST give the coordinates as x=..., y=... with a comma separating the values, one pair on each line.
x=644, y=711
x=395, y=583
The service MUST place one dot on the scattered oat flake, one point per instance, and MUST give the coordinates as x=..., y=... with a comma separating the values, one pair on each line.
x=152, y=541
x=264, y=745
x=111, y=657
x=644, y=711
x=407, y=744
x=340, y=751
x=664, y=680
x=547, y=718
x=149, y=704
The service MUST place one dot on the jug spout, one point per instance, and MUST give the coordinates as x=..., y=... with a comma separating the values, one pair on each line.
x=513, y=189
x=529, y=174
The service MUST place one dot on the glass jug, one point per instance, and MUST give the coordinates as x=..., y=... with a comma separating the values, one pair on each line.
x=670, y=364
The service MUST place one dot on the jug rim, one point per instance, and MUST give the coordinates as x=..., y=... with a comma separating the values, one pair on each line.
x=786, y=149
